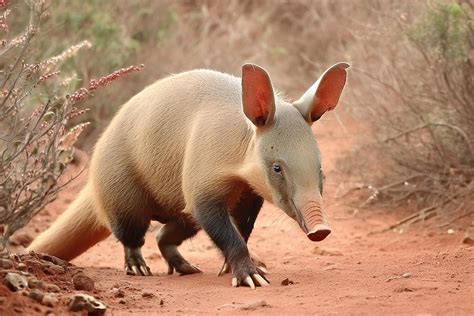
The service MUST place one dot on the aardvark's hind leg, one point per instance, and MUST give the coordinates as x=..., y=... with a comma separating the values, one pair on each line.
x=131, y=232
x=169, y=237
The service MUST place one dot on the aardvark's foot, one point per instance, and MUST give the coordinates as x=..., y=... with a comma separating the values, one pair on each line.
x=255, y=259
x=134, y=262
x=246, y=273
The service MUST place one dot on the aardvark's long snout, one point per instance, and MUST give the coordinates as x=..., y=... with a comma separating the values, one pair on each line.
x=313, y=221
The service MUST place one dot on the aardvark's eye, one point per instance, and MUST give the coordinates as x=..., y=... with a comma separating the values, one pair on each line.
x=277, y=168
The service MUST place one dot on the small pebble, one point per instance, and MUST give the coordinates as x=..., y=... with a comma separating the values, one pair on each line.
x=22, y=267
x=49, y=300
x=407, y=275
x=52, y=259
x=286, y=282
x=34, y=283
x=16, y=282
x=119, y=293
x=6, y=263
x=82, y=282
x=468, y=241
x=51, y=268
x=52, y=288
x=147, y=294
x=36, y=294
x=84, y=302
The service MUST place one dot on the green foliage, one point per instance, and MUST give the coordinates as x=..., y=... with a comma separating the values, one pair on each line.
x=444, y=30
x=95, y=21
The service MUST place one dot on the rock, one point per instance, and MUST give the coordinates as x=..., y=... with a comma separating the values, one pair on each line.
x=52, y=269
x=84, y=302
x=286, y=282
x=468, y=241
x=21, y=238
x=162, y=302
x=119, y=293
x=82, y=282
x=147, y=295
x=22, y=267
x=450, y=231
x=6, y=263
x=34, y=283
x=52, y=288
x=16, y=282
x=36, y=294
x=54, y=260
x=407, y=275
x=49, y=300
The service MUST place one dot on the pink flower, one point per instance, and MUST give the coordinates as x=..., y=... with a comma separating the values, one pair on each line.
x=4, y=4
x=102, y=82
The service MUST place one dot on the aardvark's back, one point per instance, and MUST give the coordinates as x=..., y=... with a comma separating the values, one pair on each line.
x=157, y=128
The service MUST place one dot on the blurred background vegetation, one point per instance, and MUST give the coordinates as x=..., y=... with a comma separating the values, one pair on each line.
x=411, y=86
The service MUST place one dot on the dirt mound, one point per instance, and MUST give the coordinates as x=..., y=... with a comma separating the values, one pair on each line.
x=41, y=284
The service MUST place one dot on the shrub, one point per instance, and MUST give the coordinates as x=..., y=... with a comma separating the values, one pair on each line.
x=36, y=104
x=423, y=113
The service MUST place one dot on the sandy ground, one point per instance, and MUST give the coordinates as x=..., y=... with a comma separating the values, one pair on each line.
x=422, y=271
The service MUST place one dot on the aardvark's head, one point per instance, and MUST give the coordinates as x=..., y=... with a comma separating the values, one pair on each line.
x=286, y=148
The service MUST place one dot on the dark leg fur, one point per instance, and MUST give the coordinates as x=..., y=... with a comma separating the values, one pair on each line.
x=244, y=215
x=246, y=211
x=130, y=228
x=169, y=237
x=131, y=232
x=215, y=220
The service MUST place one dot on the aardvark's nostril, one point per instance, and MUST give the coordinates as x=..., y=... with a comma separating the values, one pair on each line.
x=319, y=232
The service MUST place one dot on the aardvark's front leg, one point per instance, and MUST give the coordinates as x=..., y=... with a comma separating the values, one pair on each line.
x=214, y=219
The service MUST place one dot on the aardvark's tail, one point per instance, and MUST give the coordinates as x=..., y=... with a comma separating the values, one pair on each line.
x=74, y=231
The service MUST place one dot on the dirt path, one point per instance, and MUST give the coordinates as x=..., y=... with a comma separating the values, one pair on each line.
x=351, y=272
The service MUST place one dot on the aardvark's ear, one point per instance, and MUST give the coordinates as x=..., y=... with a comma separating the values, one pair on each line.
x=323, y=94
x=258, y=99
